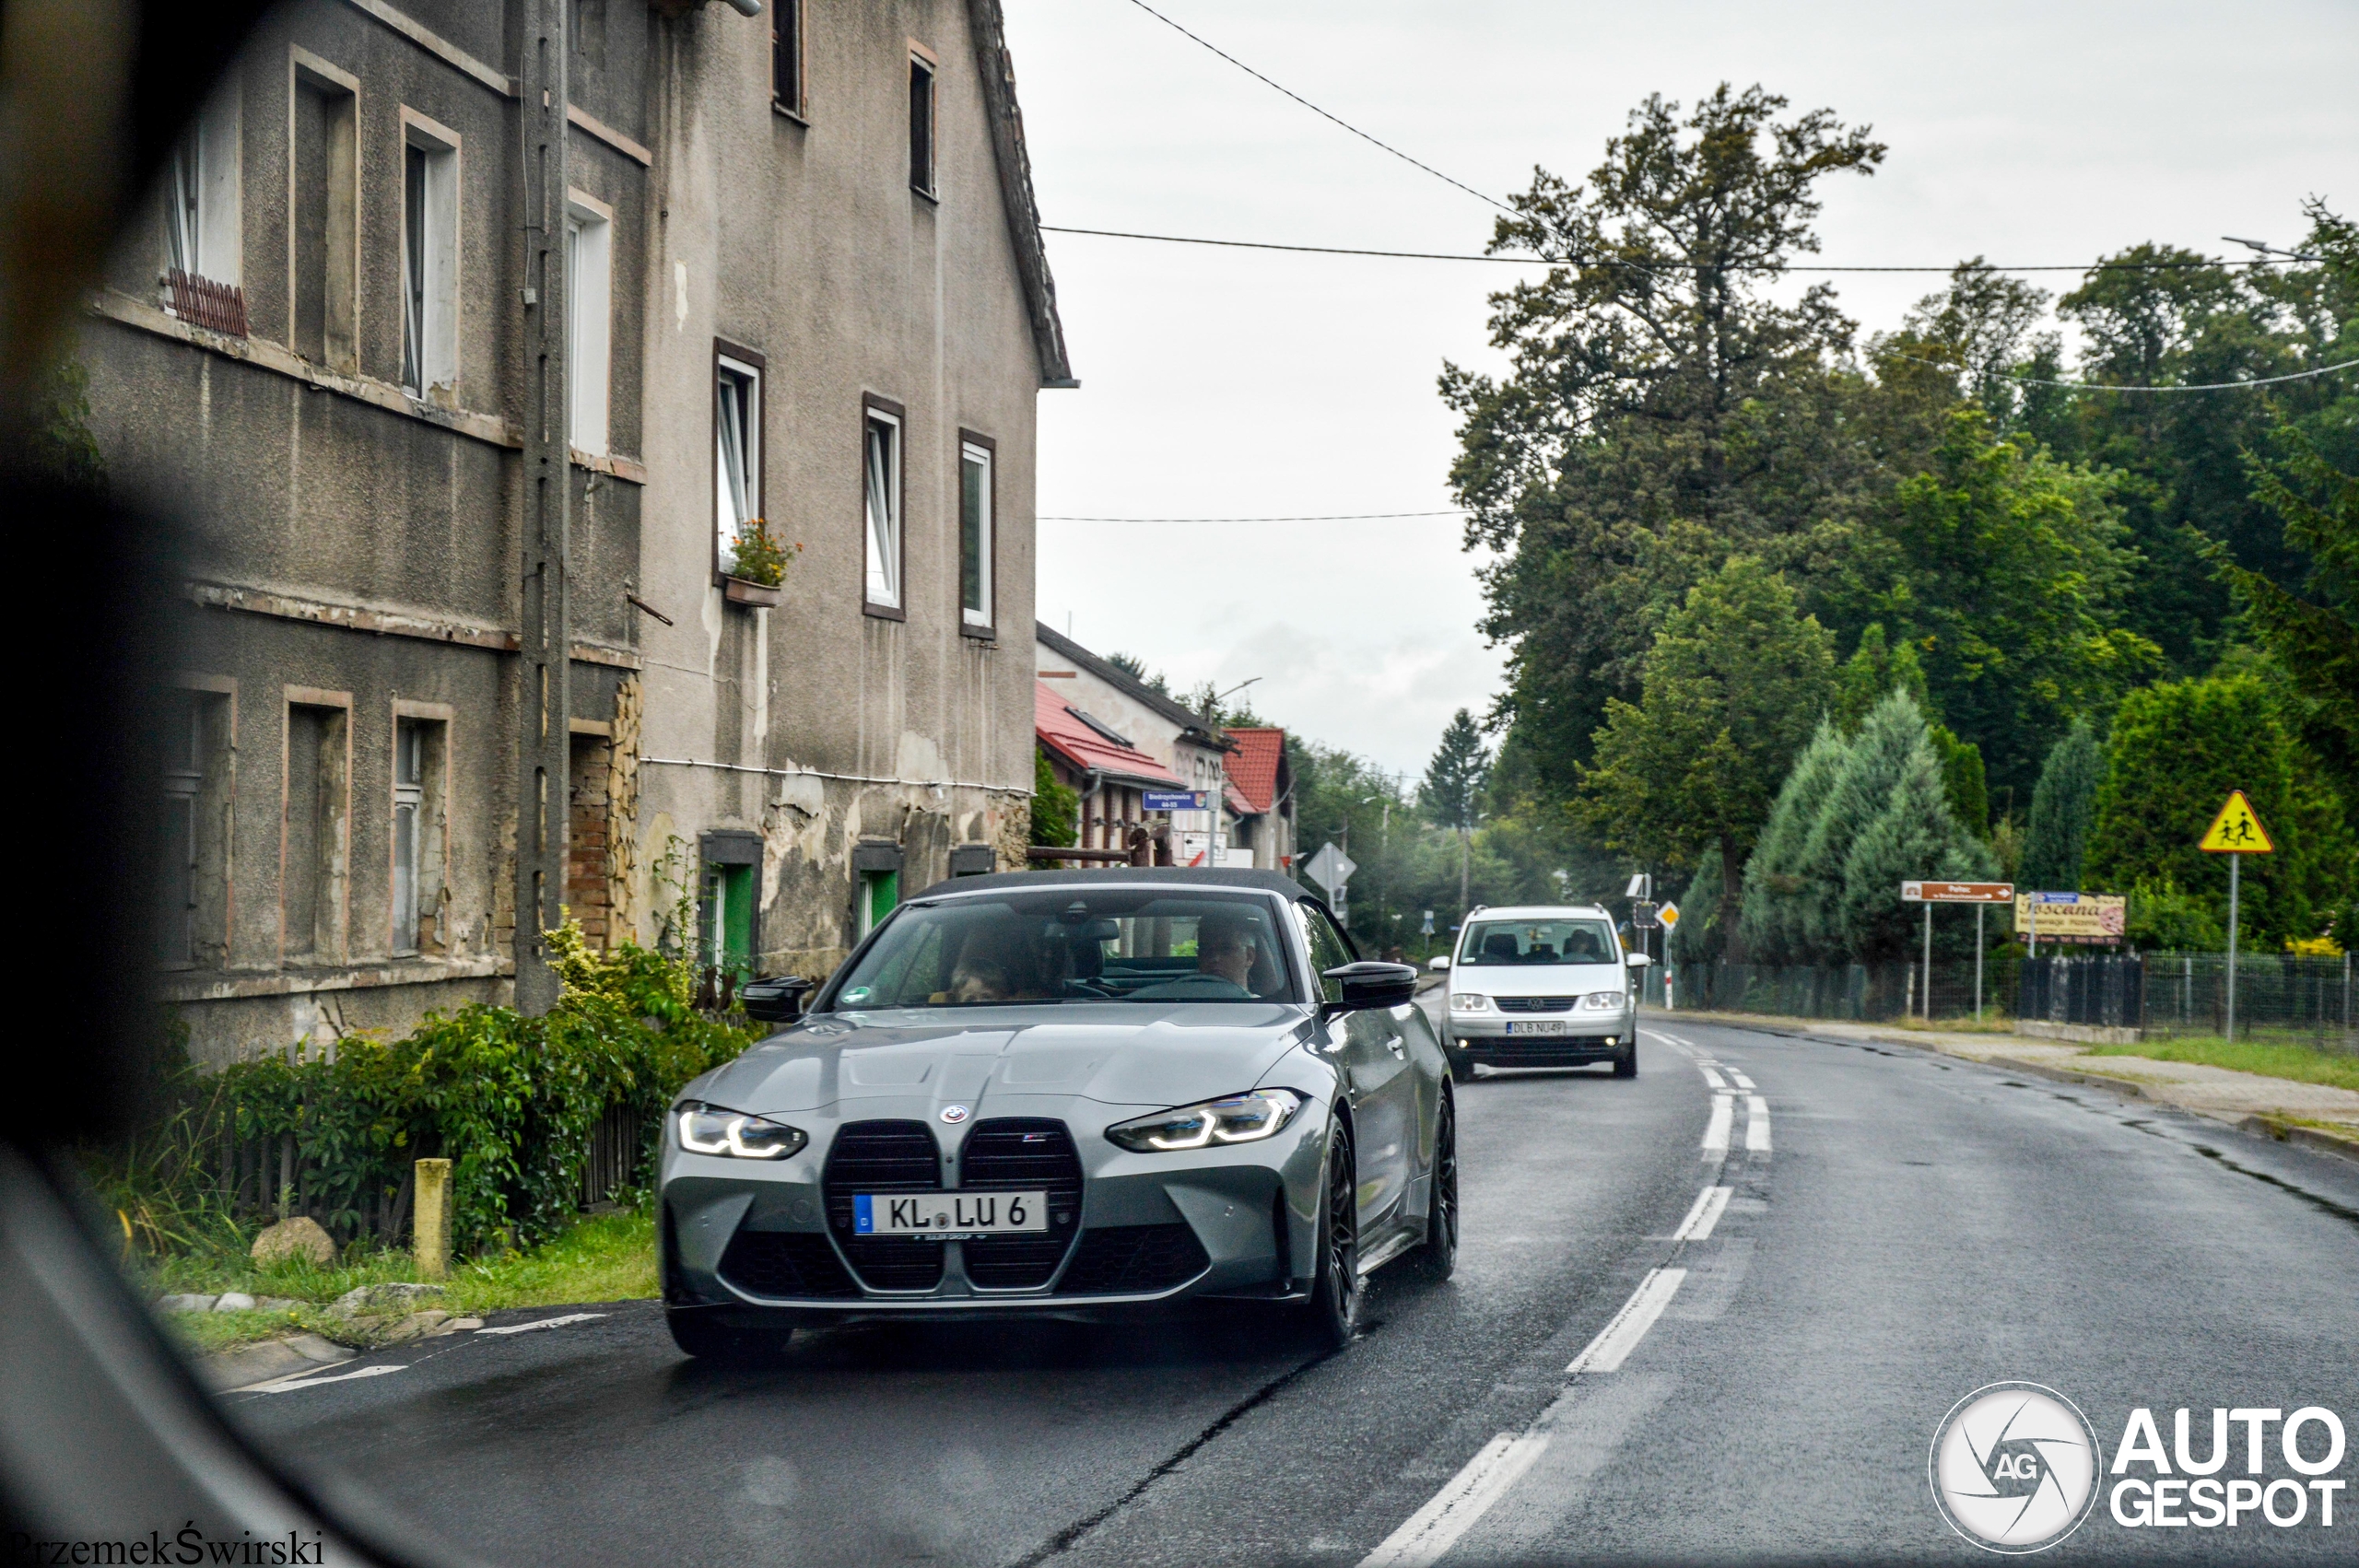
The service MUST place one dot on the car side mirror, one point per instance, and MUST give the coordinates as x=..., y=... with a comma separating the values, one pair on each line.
x=1371, y=984
x=1640, y=960
x=775, y=1001
x=1440, y=963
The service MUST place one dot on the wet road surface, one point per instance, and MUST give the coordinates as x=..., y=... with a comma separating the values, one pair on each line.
x=1777, y=1262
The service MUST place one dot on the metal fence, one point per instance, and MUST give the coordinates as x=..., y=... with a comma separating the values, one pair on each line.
x=2279, y=997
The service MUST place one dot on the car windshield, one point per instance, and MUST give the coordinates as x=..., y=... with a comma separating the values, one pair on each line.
x=1074, y=944
x=1581, y=941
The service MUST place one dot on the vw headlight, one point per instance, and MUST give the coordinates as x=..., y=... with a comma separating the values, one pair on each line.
x=1468, y=1002
x=709, y=1129
x=1604, y=1002
x=1238, y=1119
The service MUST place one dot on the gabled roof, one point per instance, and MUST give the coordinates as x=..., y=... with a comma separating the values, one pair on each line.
x=1255, y=765
x=1129, y=685
x=998, y=73
x=1061, y=731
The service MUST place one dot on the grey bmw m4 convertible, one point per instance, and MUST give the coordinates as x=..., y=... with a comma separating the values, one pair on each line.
x=1076, y=1094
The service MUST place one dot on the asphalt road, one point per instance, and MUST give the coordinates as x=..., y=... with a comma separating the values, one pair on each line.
x=1899, y=1230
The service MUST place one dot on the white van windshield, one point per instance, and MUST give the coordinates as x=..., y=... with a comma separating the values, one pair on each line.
x=1537, y=943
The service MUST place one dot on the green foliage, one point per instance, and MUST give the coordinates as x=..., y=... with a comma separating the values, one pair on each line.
x=58, y=438
x=1912, y=837
x=1700, y=936
x=2057, y=835
x=1456, y=776
x=1862, y=785
x=1874, y=671
x=2316, y=644
x=2175, y=750
x=1732, y=687
x=1135, y=667
x=2165, y=919
x=1772, y=908
x=511, y=1101
x=759, y=555
x=1961, y=779
x=1056, y=808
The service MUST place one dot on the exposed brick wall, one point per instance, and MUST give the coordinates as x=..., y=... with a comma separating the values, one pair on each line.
x=589, y=897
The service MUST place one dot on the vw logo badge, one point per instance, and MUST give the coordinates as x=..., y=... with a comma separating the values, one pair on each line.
x=954, y=1113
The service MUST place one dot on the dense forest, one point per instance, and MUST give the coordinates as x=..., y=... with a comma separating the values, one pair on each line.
x=1792, y=611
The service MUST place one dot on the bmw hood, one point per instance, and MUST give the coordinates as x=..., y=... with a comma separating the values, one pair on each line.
x=1136, y=1054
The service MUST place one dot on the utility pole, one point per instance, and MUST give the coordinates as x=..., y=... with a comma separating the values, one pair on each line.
x=545, y=651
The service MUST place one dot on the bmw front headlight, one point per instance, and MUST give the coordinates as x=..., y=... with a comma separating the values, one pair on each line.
x=709, y=1129
x=1468, y=1002
x=1605, y=1001
x=1238, y=1119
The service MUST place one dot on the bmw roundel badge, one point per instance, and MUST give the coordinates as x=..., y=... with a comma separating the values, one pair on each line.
x=954, y=1113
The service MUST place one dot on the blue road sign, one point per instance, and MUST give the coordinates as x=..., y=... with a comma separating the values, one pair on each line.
x=1172, y=800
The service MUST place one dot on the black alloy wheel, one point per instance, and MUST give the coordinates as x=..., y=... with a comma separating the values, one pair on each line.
x=705, y=1337
x=1437, y=1260
x=1333, y=1309
x=1626, y=1060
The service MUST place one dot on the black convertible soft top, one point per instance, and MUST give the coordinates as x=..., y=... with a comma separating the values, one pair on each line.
x=1259, y=880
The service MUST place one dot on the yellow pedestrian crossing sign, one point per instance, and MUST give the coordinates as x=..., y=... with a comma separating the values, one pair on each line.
x=2237, y=831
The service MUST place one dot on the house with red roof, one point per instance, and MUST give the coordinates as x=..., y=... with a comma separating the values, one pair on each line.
x=1261, y=798
x=1108, y=769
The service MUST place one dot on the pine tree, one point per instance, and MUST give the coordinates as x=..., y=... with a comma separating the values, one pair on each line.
x=1913, y=836
x=1770, y=919
x=1963, y=780
x=1875, y=671
x=1862, y=787
x=2063, y=807
x=1697, y=939
x=1453, y=785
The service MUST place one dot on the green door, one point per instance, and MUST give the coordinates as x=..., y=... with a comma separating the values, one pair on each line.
x=728, y=917
x=879, y=891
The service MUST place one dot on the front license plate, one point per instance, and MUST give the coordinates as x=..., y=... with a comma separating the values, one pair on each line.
x=1541, y=1027
x=948, y=1216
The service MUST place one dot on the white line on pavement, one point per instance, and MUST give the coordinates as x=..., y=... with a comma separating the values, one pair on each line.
x=1663, y=1040
x=1618, y=1339
x=1466, y=1497
x=1716, y=1131
x=1742, y=1080
x=1700, y=1219
x=542, y=1323
x=288, y=1385
x=1714, y=1079
x=1757, y=1125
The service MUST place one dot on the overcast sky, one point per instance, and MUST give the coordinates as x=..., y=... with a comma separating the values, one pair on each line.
x=1245, y=384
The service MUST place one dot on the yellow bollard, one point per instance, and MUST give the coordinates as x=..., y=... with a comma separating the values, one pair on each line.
x=430, y=1233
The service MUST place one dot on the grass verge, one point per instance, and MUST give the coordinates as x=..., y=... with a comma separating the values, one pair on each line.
x=2271, y=1059
x=601, y=1257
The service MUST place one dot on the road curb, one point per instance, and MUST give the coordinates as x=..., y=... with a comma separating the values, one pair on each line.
x=241, y=1366
x=2278, y=1131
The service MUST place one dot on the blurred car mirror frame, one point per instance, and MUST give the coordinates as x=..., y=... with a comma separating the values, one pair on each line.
x=1369, y=983
x=774, y=1000
x=1440, y=963
x=1640, y=960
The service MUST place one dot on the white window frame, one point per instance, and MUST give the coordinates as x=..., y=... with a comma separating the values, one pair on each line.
x=926, y=181
x=203, y=233
x=589, y=305
x=881, y=516
x=972, y=454
x=725, y=519
x=408, y=826
x=430, y=306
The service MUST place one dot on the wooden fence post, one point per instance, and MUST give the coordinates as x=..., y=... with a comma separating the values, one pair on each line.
x=431, y=1240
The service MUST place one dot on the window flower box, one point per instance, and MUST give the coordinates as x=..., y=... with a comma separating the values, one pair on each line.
x=739, y=590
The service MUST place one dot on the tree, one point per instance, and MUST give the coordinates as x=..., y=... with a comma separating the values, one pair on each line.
x=1768, y=920
x=1977, y=334
x=1862, y=787
x=2316, y=644
x=1669, y=405
x=1056, y=808
x=1912, y=837
x=1873, y=673
x=2057, y=836
x=1961, y=779
x=1732, y=687
x=2175, y=750
x=1454, y=782
x=1133, y=666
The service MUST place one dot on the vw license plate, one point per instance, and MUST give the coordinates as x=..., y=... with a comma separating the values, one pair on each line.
x=1541, y=1027
x=948, y=1216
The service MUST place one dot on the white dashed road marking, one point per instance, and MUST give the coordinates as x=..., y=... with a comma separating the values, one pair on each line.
x=1716, y=1131
x=288, y=1385
x=1618, y=1339
x=1435, y=1529
x=1710, y=1204
x=1713, y=1077
x=1757, y=1125
x=542, y=1323
x=1742, y=1080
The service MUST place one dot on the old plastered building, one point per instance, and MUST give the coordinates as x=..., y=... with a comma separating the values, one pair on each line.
x=411, y=609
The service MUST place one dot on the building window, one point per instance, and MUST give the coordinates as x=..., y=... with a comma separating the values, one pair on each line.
x=589, y=311
x=728, y=905
x=418, y=771
x=203, y=234
x=880, y=892
x=786, y=56
x=736, y=450
x=429, y=260
x=313, y=848
x=976, y=530
x=922, y=124
x=881, y=487
x=327, y=176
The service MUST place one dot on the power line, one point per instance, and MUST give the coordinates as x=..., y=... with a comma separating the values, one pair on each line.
x=1329, y=517
x=2107, y=386
x=1346, y=124
x=1635, y=267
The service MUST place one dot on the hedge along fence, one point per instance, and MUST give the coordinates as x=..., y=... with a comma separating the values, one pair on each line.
x=518, y=1106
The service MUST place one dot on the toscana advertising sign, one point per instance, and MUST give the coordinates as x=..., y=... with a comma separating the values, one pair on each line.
x=2070, y=917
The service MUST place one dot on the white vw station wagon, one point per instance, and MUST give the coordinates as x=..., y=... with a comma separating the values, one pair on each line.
x=1542, y=985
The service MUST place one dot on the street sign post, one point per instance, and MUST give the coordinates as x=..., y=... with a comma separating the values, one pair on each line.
x=1975, y=892
x=1173, y=800
x=2235, y=832
x=1331, y=870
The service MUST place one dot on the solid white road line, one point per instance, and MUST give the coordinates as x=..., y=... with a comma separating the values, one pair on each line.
x=1714, y=1079
x=1716, y=1131
x=288, y=1385
x=1433, y=1530
x=542, y=1323
x=1618, y=1339
x=1757, y=1125
x=1705, y=1213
